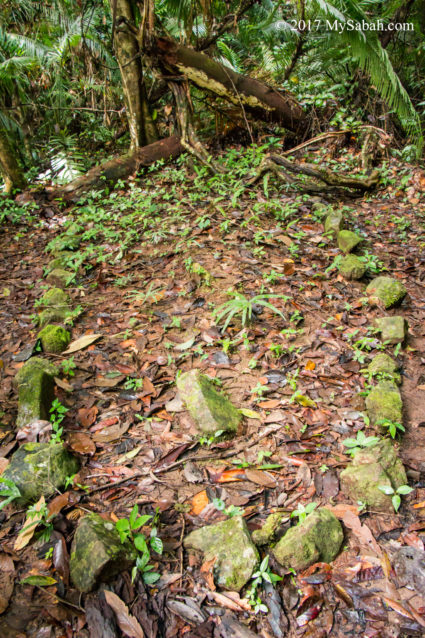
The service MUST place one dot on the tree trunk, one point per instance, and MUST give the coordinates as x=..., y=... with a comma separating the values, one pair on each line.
x=119, y=167
x=12, y=173
x=255, y=97
x=142, y=127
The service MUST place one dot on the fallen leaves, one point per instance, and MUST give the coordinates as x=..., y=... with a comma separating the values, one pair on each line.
x=81, y=343
x=82, y=443
x=128, y=624
x=31, y=522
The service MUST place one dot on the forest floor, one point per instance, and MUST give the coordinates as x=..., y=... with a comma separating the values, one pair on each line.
x=300, y=378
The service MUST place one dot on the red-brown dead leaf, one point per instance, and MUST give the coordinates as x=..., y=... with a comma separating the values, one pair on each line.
x=58, y=503
x=81, y=443
x=87, y=416
x=199, y=501
x=260, y=478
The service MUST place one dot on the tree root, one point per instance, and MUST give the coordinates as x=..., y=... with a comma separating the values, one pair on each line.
x=324, y=180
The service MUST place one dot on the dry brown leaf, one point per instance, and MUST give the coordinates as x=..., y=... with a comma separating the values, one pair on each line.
x=3, y=465
x=7, y=577
x=58, y=503
x=112, y=433
x=260, y=478
x=127, y=623
x=87, y=416
x=28, y=529
x=64, y=385
x=82, y=443
x=81, y=343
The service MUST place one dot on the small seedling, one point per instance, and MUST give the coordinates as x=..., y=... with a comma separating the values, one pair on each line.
x=303, y=511
x=209, y=440
x=230, y=511
x=57, y=415
x=241, y=305
x=392, y=427
x=127, y=528
x=395, y=494
x=361, y=441
x=68, y=367
x=263, y=575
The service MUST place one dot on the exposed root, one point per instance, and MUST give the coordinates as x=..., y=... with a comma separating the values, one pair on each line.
x=323, y=179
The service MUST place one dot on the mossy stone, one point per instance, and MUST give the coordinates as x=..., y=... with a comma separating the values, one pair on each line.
x=392, y=329
x=55, y=298
x=35, y=382
x=351, y=267
x=384, y=367
x=378, y=465
x=59, y=277
x=60, y=261
x=40, y=469
x=211, y=410
x=333, y=222
x=53, y=315
x=384, y=403
x=318, y=538
x=347, y=240
x=97, y=554
x=271, y=524
x=54, y=338
x=230, y=544
x=387, y=291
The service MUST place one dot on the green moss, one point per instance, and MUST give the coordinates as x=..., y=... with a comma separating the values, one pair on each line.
x=371, y=468
x=53, y=315
x=59, y=277
x=317, y=538
x=351, y=267
x=392, y=329
x=55, y=298
x=271, y=525
x=347, y=240
x=211, y=410
x=35, y=390
x=333, y=222
x=384, y=367
x=54, y=338
x=60, y=261
x=386, y=290
x=230, y=544
x=384, y=402
x=40, y=469
x=97, y=554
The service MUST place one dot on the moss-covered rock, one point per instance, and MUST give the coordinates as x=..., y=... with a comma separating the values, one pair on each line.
x=333, y=222
x=35, y=382
x=347, y=240
x=351, y=267
x=371, y=468
x=266, y=533
x=386, y=291
x=230, y=544
x=318, y=538
x=60, y=261
x=211, y=410
x=59, y=277
x=384, y=403
x=392, y=329
x=53, y=315
x=55, y=298
x=54, y=338
x=384, y=367
x=97, y=554
x=40, y=469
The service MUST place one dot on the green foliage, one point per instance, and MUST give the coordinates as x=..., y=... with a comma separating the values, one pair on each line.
x=127, y=529
x=243, y=307
x=392, y=427
x=8, y=491
x=395, y=494
x=57, y=415
x=261, y=576
x=230, y=511
x=303, y=511
x=361, y=441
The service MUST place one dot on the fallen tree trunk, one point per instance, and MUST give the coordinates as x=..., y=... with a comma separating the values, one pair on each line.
x=119, y=167
x=255, y=97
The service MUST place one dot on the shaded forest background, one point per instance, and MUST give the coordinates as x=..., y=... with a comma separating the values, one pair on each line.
x=81, y=81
